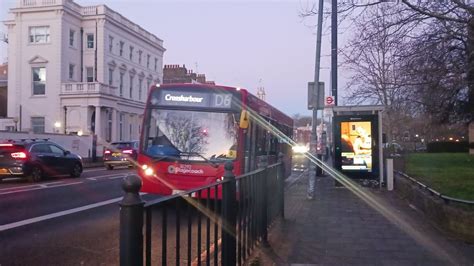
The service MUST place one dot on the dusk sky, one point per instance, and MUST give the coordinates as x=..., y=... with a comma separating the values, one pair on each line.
x=235, y=43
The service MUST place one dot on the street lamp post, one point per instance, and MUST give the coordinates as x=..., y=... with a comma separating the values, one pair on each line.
x=313, y=169
x=15, y=120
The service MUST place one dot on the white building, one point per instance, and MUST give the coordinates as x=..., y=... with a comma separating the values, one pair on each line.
x=79, y=69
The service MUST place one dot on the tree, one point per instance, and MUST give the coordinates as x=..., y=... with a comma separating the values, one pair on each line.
x=185, y=134
x=301, y=120
x=434, y=59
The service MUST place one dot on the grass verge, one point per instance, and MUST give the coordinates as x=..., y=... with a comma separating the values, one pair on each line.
x=451, y=174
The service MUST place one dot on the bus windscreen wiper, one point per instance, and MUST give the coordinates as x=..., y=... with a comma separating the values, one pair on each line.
x=199, y=155
x=162, y=157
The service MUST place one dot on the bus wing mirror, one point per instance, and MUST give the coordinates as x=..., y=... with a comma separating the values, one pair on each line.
x=244, y=119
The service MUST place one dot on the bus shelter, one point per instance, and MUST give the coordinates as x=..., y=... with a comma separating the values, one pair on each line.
x=357, y=132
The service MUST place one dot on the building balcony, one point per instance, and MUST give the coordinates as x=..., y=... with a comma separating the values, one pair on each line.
x=83, y=88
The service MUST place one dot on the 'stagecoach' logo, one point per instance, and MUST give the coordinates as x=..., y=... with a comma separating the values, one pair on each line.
x=171, y=169
x=184, y=169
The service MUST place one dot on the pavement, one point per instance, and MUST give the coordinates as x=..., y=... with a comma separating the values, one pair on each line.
x=339, y=228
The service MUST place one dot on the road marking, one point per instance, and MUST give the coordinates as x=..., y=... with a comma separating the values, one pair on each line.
x=116, y=177
x=18, y=189
x=35, y=185
x=39, y=188
x=103, y=176
x=58, y=214
x=93, y=170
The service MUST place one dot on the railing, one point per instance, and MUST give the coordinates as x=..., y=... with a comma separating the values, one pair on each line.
x=435, y=193
x=87, y=88
x=193, y=227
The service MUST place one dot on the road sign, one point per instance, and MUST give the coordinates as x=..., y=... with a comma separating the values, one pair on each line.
x=329, y=101
x=315, y=96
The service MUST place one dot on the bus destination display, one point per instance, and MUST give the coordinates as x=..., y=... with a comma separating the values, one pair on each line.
x=221, y=100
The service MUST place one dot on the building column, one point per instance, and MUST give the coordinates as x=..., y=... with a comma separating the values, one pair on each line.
x=114, y=125
x=98, y=122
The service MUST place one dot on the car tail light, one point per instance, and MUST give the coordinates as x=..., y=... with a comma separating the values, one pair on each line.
x=128, y=151
x=107, y=152
x=18, y=155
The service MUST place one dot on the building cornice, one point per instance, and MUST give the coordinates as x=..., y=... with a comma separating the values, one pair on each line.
x=102, y=12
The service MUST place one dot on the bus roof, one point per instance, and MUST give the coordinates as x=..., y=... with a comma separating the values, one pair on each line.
x=261, y=107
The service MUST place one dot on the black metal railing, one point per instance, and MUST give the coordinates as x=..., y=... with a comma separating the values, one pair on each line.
x=218, y=224
x=434, y=193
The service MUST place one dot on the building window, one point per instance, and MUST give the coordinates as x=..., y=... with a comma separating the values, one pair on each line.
x=39, y=80
x=108, y=136
x=131, y=53
x=121, y=48
x=111, y=44
x=37, y=125
x=121, y=85
x=148, y=61
x=148, y=84
x=131, y=86
x=111, y=76
x=72, y=35
x=140, y=52
x=130, y=131
x=90, y=40
x=156, y=64
x=121, y=127
x=140, y=85
x=89, y=74
x=71, y=71
x=39, y=34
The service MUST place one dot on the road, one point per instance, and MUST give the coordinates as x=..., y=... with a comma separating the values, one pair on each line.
x=62, y=221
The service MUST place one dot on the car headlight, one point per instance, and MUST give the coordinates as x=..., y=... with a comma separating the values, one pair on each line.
x=299, y=149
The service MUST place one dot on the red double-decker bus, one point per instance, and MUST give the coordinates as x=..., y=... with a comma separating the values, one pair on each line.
x=190, y=130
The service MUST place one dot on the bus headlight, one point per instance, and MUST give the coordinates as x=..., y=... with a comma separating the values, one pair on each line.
x=147, y=170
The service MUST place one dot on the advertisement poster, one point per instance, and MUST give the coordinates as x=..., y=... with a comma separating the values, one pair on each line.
x=356, y=146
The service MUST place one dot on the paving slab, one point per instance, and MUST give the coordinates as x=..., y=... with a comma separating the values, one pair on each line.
x=339, y=228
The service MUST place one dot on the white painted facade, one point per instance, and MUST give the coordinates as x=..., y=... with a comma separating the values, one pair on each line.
x=90, y=87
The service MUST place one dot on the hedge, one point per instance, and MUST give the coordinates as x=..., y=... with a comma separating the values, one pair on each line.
x=448, y=146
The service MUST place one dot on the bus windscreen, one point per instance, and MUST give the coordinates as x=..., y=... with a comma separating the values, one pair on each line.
x=191, y=135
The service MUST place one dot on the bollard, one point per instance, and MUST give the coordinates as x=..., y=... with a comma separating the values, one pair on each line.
x=389, y=174
x=228, y=233
x=264, y=202
x=131, y=223
x=281, y=179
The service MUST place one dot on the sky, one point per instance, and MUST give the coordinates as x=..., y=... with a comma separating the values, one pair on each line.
x=237, y=43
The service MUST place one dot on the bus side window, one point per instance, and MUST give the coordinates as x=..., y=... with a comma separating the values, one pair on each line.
x=247, y=148
x=253, y=146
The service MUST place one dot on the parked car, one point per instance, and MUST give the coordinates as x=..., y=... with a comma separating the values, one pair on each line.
x=36, y=159
x=123, y=153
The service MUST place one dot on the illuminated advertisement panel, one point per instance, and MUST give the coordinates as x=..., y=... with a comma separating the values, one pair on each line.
x=356, y=146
